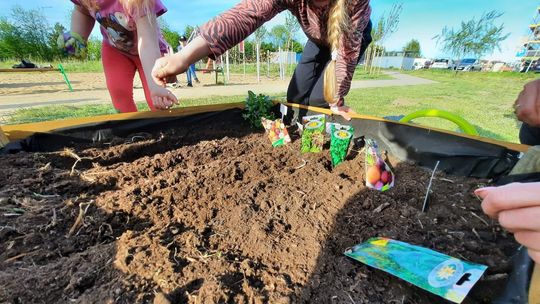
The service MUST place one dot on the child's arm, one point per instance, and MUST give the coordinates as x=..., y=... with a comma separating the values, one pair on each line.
x=81, y=22
x=221, y=34
x=148, y=46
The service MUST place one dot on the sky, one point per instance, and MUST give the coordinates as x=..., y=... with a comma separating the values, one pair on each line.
x=420, y=19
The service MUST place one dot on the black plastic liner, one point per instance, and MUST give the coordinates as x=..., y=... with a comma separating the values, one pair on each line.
x=104, y=131
x=457, y=155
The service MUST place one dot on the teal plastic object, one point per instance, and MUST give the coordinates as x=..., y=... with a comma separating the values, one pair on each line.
x=430, y=270
x=61, y=68
x=462, y=123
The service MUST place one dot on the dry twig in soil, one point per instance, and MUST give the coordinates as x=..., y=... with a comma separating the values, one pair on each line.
x=80, y=218
x=70, y=153
x=481, y=219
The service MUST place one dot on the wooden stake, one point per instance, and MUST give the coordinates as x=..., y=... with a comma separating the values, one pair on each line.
x=3, y=138
x=227, y=67
x=258, y=63
x=534, y=288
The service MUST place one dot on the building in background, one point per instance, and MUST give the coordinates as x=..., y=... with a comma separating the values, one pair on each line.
x=395, y=60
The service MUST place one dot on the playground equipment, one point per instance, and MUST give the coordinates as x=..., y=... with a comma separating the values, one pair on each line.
x=531, y=46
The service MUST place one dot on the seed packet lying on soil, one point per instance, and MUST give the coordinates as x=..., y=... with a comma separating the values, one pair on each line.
x=433, y=271
x=277, y=132
x=379, y=176
x=313, y=133
x=340, y=139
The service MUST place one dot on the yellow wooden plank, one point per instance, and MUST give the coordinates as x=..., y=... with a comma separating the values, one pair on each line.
x=534, y=288
x=17, y=132
x=3, y=139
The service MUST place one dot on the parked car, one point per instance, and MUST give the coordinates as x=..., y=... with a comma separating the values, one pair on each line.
x=469, y=65
x=420, y=63
x=447, y=64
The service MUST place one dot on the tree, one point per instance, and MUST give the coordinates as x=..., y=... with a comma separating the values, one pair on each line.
x=58, y=30
x=413, y=48
x=279, y=35
x=476, y=37
x=384, y=28
x=387, y=25
x=267, y=46
x=297, y=47
x=26, y=34
x=94, y=48
x=11, y=45
x=188, y=30
x=292, y=27
x=260, y=34
x=172, y=37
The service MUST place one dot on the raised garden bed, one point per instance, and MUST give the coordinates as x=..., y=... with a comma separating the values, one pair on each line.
x=214, y=214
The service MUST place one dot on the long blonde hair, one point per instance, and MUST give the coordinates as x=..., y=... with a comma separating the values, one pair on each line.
x=132, y=7
x=338, y=25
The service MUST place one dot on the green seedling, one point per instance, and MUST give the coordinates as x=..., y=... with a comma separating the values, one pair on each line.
x=257, y=107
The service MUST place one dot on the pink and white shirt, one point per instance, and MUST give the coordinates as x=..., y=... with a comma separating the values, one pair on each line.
x=118, y=26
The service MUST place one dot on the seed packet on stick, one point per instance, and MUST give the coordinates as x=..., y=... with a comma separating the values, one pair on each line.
x=340, y=139
x=313, y=133
x=379, y=176
x=433, y=271
x=277, y=132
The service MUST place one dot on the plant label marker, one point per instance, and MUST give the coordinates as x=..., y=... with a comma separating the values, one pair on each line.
x=424, y=206
x=66, y=79
x=3, y=138
x=283, y=109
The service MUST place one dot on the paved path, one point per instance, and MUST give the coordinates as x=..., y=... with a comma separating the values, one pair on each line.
x=11, y=102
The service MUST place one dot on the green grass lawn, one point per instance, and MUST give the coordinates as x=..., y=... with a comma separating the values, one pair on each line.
x=95, y=66
x=45, y=113
x=483, y=99
x=71, y=66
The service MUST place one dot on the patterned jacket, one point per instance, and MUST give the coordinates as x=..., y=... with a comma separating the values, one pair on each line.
x=236, y=24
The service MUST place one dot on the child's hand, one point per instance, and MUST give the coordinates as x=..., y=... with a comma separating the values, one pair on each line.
x=72, y=44
x=165, y=67
x=162, y=98
x=517, y=207
x=344, y=111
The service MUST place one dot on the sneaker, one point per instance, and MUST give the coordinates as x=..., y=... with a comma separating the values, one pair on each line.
x=197, y=80
x=190, y=85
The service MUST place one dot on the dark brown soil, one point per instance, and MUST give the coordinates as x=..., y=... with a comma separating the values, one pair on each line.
x=218, y=216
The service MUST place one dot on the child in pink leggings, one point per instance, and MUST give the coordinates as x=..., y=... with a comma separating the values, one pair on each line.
x=131, y=42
